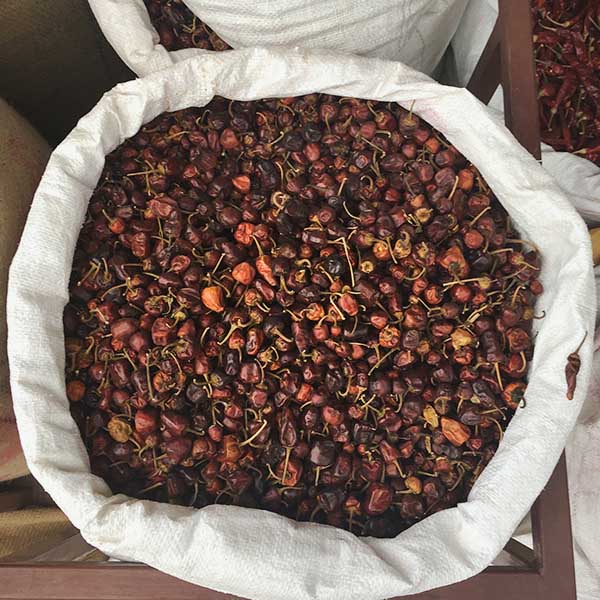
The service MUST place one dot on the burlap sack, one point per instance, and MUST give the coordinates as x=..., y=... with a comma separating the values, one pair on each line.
x=23, y=157
x=54, y=62
x=25, y=534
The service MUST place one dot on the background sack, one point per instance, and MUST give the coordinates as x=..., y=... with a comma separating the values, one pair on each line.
x=416, y=32
x=257, y=554
x=23, y=156
x=42, y=75
x=25, y=534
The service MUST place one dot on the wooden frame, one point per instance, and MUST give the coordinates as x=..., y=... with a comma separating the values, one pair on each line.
x=546, y=572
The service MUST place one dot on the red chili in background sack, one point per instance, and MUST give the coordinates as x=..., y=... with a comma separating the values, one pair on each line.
x=179, y=28
x=566, y=38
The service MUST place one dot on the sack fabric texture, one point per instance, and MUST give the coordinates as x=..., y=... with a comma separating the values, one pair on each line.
x=23, y=156
x=253, y=553
x=27, y=533
x=416, y=32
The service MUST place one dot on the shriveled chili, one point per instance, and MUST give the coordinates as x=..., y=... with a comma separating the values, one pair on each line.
x=314, y=306
x=179, y=28
x=566, y=39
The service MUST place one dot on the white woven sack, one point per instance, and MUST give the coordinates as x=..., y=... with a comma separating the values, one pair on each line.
x=416, y=32
x=253, y=553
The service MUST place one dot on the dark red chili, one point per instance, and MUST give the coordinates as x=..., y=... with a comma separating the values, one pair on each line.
x=572, y=369
x=178, y=28
x=566, y=39
x=313, y=305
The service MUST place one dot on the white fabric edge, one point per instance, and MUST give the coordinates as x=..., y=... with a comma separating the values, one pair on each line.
x=391, y=29
x=128, y=29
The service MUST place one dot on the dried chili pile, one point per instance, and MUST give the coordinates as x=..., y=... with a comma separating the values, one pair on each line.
x=567, y=43
x=312, y=305
x=179, y=28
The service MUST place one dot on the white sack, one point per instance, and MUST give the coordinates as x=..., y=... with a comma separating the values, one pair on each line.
x=416, y=32
x=257, y=554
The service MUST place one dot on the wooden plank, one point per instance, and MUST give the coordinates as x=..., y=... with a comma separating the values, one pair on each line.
x=552, y=536
x=486, y=76
x=74, y=548
x=14, y=499
x=522, y=553
x=115, y=581
x=96, y=581
x=518, y=73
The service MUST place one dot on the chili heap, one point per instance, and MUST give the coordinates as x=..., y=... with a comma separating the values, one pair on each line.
x=314, y=306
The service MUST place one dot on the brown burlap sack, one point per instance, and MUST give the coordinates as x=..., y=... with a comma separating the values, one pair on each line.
x=23, y=157
x=27, y=533
x=54, y=66
x=54, y=62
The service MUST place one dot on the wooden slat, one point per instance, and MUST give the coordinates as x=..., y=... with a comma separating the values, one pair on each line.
x=74, y=548
x=518, y=73
x=14, y=499
x=522, y=553
x=552, y=536
x=112, y=581
x=486, y=76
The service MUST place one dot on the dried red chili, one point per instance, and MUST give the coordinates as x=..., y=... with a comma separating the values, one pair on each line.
x=312, y=305
x=566, y=36
x=572, y=370
x=179, y=28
